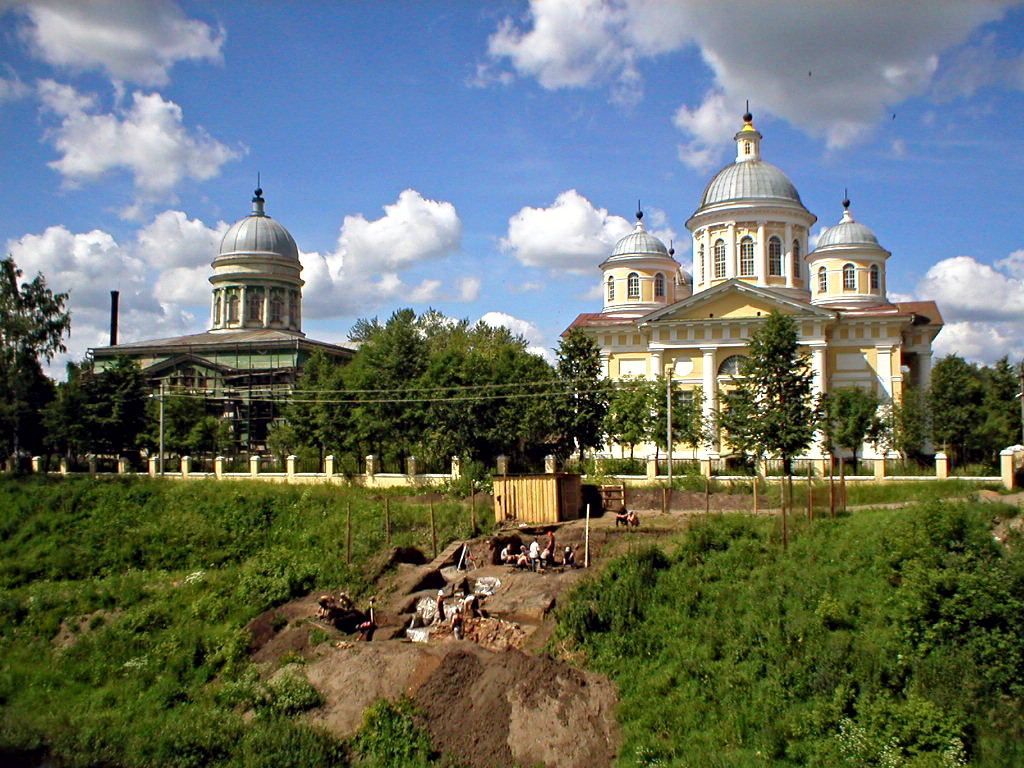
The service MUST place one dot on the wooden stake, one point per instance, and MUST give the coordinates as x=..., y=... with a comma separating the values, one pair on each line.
x=586, y=541
x=755, y=493
x=707, y=495
x=842, y=482
x=433, y=529
x=472, y=505
x=348, y=534
x=387, y=520
x=810, y=495
x=664, y=500
x=831, y=489
x=782, y=503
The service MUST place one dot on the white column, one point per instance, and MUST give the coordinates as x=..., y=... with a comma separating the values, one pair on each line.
x=710, y=388
x=820, y=384
x=787, y=250
x=924, y=357
x=241, y=307
x=730, y=251
x=213, y=309
x=605, y=357
x=760, y=256
x=884, y=363
x=656, y=367
x=266, y=307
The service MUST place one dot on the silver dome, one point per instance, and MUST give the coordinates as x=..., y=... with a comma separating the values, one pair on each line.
x=749, y=179
x=258, y=233
x=847, y=232
x=640, y=242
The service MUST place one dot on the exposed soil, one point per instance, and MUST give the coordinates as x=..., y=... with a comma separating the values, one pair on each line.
x=71, y=629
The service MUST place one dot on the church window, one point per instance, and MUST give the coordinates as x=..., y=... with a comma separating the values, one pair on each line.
x=874, y=277
x=822, y=280
x=774, y=256
x=633, y=286
x=849, y=277
x=746, y=147
x=293, y=309
x=700, y=270
x=796, y=259
x=731, y=365
x=611, y=288
x=276, y=308
x=255, y=308
x=233, y=309
x=216, y=310
x=746, y=257
x=719, y=258
x=659, y=286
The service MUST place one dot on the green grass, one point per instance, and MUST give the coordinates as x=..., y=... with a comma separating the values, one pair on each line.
x=170, y=573
x=885, y=638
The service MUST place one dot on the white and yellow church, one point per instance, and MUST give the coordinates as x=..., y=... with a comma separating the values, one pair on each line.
x=751, y=256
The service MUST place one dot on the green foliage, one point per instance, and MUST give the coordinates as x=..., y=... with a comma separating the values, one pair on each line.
x=688, y=425
x=890, y=638
x=848, y=413
x=628, y=421
x=771, y=411
x=581, y=414
x=392, y=736
x=955, y=399
x=163, y=577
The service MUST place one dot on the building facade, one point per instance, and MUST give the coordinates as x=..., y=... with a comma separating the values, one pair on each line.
x=751, y=256
x=246, y=364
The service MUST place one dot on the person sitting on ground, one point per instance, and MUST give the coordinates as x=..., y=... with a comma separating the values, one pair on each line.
x=470, y=607
x=546, y=558
x=622, y=517
x=505, y=552
x=632, y=520
x=513, y=554
x=522, y=560
x=324, y=611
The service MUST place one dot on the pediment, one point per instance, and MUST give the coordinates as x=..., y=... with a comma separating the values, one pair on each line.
x=734, y=299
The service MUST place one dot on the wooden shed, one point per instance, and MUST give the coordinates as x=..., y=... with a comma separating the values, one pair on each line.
x=540, y=499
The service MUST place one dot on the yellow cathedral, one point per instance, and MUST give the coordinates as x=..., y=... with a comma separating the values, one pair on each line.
x=751, y=256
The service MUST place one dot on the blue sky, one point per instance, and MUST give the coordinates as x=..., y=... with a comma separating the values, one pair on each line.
x=482, y=158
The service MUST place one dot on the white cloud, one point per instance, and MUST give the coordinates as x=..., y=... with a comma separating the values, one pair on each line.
x=172, y=239
x=12, y=88
x=570, y=235
x=137, y=41
x=832, y=69
x=148, y=139
x=533, y=335
x=468, y=288
x=364, y=271
x=983, y=307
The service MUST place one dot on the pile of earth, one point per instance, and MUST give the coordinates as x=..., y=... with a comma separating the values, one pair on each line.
x=482, y=708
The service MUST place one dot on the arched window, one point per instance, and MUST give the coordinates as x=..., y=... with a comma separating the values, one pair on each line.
x=233, y=309
x=701, y=276
x=746, y=257
x=255, y=306
x=774, y=256
x=611, y=288
x=731, y=365
x=633, y=286
x=659, y=286
x=293, y=308
x=874, y=277
x=796, y=259
x=822, y=280
x=216, y=310
x=746, y=147
x=719, y=258
x=849, y=277
x=276, y=308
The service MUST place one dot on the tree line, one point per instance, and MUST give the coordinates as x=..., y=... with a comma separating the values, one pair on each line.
x=434, y=387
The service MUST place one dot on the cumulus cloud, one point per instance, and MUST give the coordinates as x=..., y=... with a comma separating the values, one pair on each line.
x=831, y=69
x=364, y=270
x=571, y=234
x=983, y=306
x=148, y=139
x=172, y=239
x=12, y=88
x=533, y=335
x=136, y=42
x=468, y=288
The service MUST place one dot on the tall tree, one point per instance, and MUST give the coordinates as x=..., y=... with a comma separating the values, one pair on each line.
x=33, y=324
x=849, y=413
x=955, y=399
x=114, y=406
x=772, y=409
x=584, y=405
x=630, y=406
x=688, y=426
x=1001, y=426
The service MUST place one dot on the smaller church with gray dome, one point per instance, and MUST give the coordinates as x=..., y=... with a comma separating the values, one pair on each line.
x=247, y=363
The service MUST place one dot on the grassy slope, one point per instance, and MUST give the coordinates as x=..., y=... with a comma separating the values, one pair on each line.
x=889, y=638
x=170, y=574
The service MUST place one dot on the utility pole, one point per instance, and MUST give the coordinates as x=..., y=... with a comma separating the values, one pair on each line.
x=1020, y=372
x=161, y=426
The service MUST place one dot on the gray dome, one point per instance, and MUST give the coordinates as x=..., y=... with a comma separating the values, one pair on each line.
x=640, y=242
x=847, y=232
x=749, y=179
x=258, y=233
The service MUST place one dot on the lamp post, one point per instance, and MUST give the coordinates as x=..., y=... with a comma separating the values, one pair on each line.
x=668, y=413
